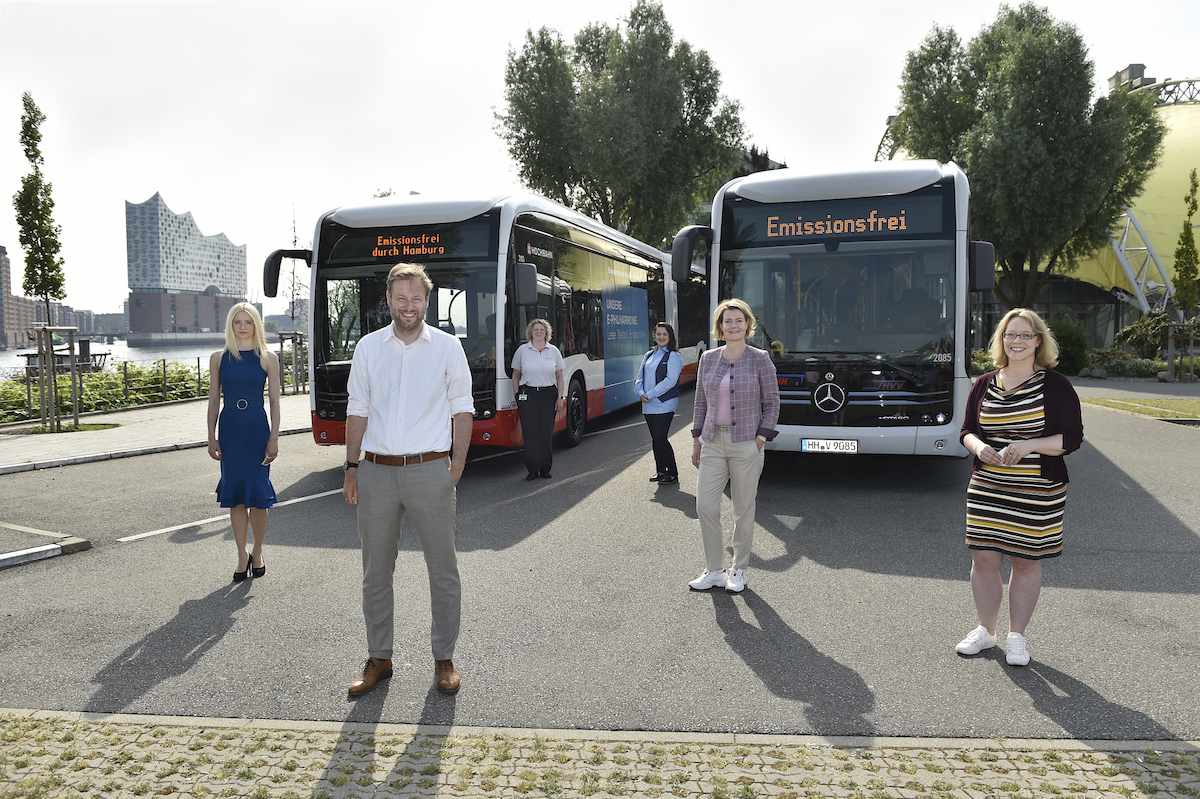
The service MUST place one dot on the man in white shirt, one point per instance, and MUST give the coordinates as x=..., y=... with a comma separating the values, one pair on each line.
x=410, y=406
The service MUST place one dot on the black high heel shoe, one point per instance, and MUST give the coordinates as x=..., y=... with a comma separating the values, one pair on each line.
x=258, y=571
x=244, y=573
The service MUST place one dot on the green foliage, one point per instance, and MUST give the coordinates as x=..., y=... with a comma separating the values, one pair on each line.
x=753, y=160
x=623, y=125
x=34, y=205
x=938, y=97
x=1119, y=363
x=270, y=327
x=118, y=387
x=1187, y=261
x=981, y=361
x=1073, y=345
x=1050, y=170
x=1147, y=336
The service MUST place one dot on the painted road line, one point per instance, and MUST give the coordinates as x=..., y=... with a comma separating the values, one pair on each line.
x=21, y=529
x=212, y=519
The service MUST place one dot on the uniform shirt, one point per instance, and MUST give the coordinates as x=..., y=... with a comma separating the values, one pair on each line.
x=648, y=373
x=538, y=368
x=408, y=393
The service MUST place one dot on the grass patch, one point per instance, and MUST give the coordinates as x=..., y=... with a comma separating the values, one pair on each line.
x=83, y=427
x=1157, y=408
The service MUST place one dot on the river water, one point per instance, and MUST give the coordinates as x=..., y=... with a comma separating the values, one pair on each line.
x=120, y=351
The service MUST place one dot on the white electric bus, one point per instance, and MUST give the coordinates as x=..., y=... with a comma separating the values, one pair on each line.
x=860, y=280
x=496, y=263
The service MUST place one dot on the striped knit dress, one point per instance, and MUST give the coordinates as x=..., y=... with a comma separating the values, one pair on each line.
x=1013, y=509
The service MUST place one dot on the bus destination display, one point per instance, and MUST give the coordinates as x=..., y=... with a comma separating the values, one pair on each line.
x=874, y=218
x=341, y=245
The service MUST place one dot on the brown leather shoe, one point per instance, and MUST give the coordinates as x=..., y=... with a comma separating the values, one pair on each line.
x=373, y=671
x=447, y=676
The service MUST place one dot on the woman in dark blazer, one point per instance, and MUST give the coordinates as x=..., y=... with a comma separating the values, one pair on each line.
x=1021, y=420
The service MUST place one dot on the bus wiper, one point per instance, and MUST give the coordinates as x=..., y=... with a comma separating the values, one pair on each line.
x=915, y=374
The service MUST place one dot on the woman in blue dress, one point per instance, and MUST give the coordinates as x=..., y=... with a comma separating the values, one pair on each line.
x=247, y=444
x=657, y=386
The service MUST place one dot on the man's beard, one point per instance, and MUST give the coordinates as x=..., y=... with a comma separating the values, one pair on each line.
x=405, y=325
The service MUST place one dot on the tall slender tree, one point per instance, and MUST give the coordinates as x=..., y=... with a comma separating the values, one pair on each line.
x=34, y=205
x=1187, y=261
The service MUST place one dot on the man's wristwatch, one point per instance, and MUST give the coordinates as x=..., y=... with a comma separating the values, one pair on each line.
x=347, y=466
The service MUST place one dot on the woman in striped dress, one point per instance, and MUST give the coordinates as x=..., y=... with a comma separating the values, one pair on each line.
x=1021, y=420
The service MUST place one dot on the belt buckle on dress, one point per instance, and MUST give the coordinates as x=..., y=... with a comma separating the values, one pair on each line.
x=242, y=405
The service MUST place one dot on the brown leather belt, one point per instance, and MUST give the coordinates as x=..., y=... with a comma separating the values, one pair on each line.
x=403, y=460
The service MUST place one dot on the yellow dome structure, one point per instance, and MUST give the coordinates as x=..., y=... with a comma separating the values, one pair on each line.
x=1128, y=268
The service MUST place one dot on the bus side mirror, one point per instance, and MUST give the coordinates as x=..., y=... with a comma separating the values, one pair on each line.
x=525, y=283
x=271, y=268
x=683, y=249
x=981, y=264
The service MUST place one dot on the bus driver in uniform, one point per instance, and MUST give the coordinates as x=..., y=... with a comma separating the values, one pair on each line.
x=410, y=407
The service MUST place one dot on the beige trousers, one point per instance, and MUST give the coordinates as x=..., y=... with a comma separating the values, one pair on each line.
x=722, y=461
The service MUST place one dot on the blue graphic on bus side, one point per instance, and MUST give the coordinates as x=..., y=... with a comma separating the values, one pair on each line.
x=626, y=338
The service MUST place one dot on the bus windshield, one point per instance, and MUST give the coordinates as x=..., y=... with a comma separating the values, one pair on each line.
x=462, y=303
x=887, y=299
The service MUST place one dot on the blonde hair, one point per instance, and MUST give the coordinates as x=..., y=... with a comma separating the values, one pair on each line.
x=1047, y=348
x=733, y=304
x=542, y=322
x=260, y=335
x=403, y=271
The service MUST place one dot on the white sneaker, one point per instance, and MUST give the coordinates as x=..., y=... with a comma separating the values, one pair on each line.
x=708, y=580
x=736, y=582
x=978, y=640
x=1017, y=654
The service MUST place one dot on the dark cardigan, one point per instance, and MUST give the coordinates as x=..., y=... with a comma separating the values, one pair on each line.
x=1062, y=416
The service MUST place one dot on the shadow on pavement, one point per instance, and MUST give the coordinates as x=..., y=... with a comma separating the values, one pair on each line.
x=1080, y=710
x=834, y=696
x=169, y=651
x=353, y=764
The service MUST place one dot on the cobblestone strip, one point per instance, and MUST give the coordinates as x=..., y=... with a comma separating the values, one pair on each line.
x=69, y=755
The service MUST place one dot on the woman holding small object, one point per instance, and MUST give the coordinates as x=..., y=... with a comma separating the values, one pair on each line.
x=537, y=379
x=247, y=444
x=1021, y=420
x=657, y=386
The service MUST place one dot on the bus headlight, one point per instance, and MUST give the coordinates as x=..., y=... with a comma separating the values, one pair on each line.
x=941, y=419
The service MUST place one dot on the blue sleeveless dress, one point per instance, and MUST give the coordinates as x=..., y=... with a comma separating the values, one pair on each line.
x=243, y=433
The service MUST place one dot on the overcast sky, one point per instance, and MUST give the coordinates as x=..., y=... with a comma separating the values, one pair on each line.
x=249, y=113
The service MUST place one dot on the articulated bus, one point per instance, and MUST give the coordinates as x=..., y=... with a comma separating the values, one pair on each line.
x=496, y=264
x=860, y=281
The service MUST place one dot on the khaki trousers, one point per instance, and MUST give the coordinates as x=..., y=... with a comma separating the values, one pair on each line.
x=425, y=491
x=738, y=464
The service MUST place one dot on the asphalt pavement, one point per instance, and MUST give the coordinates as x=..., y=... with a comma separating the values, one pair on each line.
x=665, y=736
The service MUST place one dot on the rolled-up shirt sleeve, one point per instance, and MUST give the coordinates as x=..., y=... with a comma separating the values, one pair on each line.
x=458, y=380
x=359, y=386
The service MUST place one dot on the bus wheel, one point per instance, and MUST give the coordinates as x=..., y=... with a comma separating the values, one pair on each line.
x=576, y=414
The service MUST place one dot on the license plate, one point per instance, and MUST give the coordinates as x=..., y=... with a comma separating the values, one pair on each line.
x=828, y=445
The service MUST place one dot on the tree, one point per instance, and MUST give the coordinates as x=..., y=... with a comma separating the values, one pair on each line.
x=34, y=206
x=1050, y=170
x=1186, y=259
x=624, y=126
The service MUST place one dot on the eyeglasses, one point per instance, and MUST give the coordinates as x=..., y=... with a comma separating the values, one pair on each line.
x=1022, y=336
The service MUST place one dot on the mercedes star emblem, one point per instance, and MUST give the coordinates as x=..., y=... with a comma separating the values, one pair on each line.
x=829, y=397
